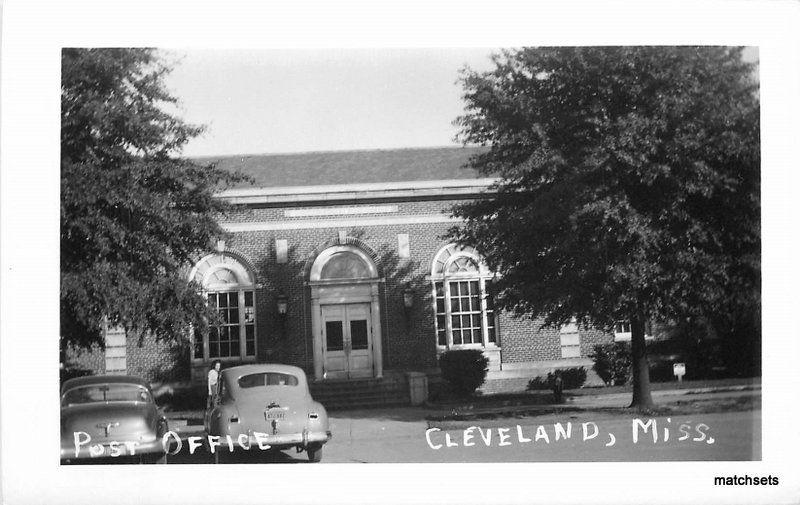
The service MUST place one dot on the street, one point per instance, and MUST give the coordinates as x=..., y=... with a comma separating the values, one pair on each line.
x=403, y=436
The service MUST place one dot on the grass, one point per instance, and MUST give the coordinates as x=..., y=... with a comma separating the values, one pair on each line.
x=533, y=398
x=661, y=386
x=673, y=408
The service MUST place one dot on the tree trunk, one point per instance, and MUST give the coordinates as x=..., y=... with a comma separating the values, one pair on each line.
x=642, y=399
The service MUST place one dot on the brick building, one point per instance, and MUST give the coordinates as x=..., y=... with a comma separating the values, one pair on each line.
x=336, y=263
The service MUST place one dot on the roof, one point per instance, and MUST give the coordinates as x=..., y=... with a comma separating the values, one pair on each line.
x=104, y=379
x=347, y=167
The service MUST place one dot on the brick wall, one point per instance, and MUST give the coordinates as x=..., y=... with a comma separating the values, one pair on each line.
x=86, y=359
x=408, y=336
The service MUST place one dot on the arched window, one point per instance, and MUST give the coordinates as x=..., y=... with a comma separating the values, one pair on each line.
x=229, y=286
x=465, y=315
x=345, y=265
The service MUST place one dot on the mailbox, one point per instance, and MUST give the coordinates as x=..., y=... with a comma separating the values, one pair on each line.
x=679, y=369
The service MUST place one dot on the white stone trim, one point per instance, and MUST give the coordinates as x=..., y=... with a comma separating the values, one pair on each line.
x=338, y=192
x=340, y=211
x=335, y=223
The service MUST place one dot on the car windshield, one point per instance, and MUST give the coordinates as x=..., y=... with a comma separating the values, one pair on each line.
x=106, y=393
x=267, y=379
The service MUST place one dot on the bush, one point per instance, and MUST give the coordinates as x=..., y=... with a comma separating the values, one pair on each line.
x=571, y=378
x=612, y=362
x=185, y=398
x=464, y=370
x=70, y=372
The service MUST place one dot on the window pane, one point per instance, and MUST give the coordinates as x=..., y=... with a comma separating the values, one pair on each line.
x=358, y=334
x=212, y=299
x=235, y=348
x=441, y=337
x=491, y=335
x=473, y=287
x=475, y=303
x=456, y=322
x=454, y=305
x=251, y=347
x=454, y=289
x=334, y=336
x=222, y=300
x=439, y=288
x=345, y=265
x=456, y=337
x=248, y=298
x=224, y=349
x=267, y=379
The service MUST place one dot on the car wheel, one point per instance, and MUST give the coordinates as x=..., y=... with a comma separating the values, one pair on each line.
x=314, y=453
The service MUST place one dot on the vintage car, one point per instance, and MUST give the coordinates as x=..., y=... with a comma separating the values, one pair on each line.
x=269, y=404
x=110, y=418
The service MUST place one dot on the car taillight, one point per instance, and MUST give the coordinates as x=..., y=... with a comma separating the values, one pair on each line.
x=234, y=419
x=313, y=415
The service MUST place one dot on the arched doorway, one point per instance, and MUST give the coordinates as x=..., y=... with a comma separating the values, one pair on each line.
x=345, y=314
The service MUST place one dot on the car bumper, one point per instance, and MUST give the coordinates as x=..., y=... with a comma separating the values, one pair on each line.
x=302, y=439
x=141, y=448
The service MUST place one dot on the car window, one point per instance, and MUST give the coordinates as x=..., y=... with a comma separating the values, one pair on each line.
x=267, y=379
x=97, y=393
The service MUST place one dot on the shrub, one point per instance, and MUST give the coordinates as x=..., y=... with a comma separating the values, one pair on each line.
x=571, y=378
x=464, y=370
x=612, y=362
x=70, y=372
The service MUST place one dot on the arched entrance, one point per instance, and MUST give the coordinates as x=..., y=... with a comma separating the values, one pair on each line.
x=345, y=314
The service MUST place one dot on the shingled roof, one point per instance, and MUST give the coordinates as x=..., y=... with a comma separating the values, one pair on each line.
x=346, y=167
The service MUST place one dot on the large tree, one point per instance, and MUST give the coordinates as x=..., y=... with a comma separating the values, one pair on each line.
x=133, y=214
x=629, y=184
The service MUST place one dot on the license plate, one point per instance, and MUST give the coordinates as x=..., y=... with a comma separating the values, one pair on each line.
x=276, y=415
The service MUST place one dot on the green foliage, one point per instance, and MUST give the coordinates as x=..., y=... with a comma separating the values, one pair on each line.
x=133, y=215
x=612, y=363
x=572, y=378
x=630, y=181
x=464, y=370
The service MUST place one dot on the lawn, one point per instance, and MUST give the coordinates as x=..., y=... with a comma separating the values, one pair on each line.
x=546, y=397
x=660, y=386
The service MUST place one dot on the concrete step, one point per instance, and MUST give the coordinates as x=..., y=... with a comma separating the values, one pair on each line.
x=362, y=393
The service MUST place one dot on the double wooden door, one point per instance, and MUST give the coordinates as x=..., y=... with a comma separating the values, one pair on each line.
x=347, y=340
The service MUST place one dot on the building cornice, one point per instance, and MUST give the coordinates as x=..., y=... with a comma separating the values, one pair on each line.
x=343, y=193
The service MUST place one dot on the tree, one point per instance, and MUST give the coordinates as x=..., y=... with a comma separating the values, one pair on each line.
x=133, y=215
x=629, y=184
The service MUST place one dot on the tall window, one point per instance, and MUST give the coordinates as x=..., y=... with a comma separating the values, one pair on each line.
x=464, y=312
x=229, y=288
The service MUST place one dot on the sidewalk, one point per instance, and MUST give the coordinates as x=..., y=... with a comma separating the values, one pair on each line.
x=406, y=420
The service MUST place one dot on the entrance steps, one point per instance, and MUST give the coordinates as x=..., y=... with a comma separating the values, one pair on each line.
x=389, y=391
